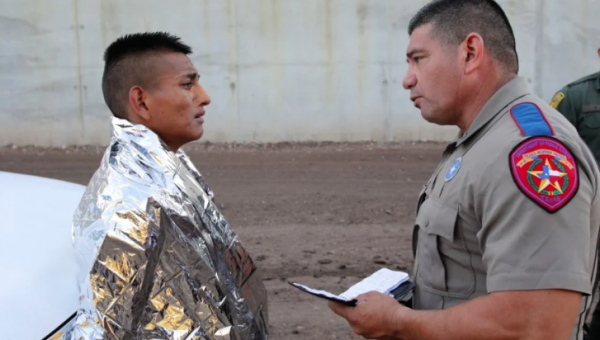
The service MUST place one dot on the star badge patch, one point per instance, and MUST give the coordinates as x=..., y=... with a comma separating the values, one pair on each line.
x=545, y=171
x=453, y=169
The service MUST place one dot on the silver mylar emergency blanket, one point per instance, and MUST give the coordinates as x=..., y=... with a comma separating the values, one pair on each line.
x=158, y=260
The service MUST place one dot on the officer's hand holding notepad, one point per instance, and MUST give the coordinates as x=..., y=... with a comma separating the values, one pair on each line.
x=384, y=281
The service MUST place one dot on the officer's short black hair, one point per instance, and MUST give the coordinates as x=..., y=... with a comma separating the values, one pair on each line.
x=453, y=20
x=128, y=63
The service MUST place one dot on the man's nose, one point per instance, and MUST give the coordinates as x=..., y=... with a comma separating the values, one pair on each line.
x=409, y=81
x=201, y=96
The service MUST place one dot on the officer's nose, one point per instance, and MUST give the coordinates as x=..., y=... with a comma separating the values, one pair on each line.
x=410, y=80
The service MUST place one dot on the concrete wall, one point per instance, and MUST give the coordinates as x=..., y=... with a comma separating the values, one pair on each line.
x=277, y=70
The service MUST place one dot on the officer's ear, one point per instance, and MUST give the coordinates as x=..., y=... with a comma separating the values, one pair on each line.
x=474, y=50
x=599, y=53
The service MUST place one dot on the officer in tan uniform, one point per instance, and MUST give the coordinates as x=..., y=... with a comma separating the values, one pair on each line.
x=508, y=222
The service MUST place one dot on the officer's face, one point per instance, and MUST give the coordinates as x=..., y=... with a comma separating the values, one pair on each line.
x=433, y=77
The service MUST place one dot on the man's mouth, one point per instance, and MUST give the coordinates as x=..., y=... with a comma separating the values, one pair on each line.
x=416, y=100
x=199, y=117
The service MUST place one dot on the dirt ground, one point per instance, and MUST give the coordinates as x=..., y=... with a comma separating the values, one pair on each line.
x=324, y=215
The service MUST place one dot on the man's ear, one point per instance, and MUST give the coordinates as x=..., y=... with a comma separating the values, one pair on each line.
x=474, y=50
x=138, y=102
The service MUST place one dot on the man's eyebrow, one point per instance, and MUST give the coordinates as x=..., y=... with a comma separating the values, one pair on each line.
x=411, y=53
x=192, y=76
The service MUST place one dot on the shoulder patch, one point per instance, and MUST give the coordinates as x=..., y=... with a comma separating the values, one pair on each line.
x=530, y=120
x=545, y=170
x=557, y=99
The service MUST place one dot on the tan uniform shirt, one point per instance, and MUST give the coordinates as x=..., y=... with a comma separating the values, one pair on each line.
x=513, y=205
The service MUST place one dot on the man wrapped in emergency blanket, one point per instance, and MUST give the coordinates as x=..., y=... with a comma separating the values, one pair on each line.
x=158, y=259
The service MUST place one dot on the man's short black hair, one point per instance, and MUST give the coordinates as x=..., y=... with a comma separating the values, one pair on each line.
x=127, y=64
x=453, y=20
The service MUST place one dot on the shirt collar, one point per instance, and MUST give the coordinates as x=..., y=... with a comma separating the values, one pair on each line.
x=511, y=91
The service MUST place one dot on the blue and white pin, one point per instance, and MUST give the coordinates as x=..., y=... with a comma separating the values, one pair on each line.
x=453, y=169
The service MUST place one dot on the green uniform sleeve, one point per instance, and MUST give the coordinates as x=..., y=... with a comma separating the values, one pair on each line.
x=563, y=103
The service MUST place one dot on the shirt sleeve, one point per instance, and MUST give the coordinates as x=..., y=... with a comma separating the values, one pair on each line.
x=526, y=247
x=563, y=102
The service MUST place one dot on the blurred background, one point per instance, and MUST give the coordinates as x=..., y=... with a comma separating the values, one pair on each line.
x=277, y=70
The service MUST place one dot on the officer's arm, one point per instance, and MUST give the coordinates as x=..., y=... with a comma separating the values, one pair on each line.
x=541, y=314
x=537, y=261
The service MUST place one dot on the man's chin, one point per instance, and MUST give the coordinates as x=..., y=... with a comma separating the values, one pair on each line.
x=433, y=119
x=197, y=135
x=193, y=137
x=427, y=116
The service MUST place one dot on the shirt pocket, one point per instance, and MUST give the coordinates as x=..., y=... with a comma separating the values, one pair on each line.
x=444, y=264
x=591, y=116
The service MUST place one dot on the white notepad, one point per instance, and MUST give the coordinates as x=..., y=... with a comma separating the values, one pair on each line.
x=382, y=281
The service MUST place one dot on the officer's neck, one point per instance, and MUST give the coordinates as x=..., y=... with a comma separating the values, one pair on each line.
x=478, y=96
